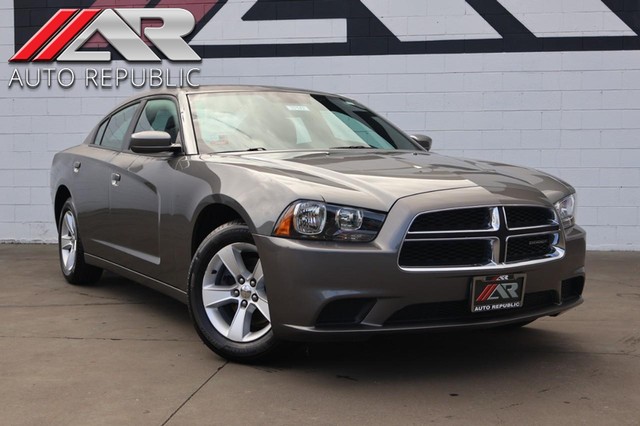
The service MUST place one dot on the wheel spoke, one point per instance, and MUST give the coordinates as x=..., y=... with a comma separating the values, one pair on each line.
x=263, y=307
x=240, y=325
x=66, y=242
x=215, y=296
x=71, y=260
x=70, y=225
x=257, y=272
x=232, y=259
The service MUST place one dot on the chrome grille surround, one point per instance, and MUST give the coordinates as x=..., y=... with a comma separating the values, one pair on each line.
x=498, y=234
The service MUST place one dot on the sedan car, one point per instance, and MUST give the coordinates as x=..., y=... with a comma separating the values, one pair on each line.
x=282, y=215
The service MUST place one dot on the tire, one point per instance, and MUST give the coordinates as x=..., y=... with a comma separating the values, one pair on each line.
x=226, y=273
x=71, y=253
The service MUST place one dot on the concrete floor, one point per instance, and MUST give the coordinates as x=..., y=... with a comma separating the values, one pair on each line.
x=118, y=353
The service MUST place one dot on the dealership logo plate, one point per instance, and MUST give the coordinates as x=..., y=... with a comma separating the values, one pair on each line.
x=497, y=292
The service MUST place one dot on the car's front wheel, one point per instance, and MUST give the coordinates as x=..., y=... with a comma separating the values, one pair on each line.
x=228, y=295
x=71, y=251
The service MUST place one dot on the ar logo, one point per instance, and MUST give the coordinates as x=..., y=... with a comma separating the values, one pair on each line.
x=62, y=37
x=499, y=291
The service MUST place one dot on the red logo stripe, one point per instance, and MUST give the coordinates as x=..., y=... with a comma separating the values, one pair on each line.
x=493, y=289
x=488, y=291
x=36, y=42
x=67, y=34
x=479, y=299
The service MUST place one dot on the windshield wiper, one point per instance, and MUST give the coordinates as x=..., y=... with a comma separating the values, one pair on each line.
x=356, y=147
x=244, y=150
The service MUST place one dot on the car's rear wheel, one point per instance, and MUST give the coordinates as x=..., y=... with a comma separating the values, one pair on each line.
x=228, y=296
x=71, y=251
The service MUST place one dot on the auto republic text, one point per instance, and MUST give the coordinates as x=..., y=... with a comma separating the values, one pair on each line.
x=103, y=78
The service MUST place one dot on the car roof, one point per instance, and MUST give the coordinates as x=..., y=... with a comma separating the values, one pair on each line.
x=221, y=89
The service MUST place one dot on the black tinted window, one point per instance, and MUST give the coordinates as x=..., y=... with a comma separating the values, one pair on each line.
x=159, y=115
x=117, y=128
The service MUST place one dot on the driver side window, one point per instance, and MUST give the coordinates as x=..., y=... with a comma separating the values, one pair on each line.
x=159, y=115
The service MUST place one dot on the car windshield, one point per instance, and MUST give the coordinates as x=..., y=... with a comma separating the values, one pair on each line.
x=245, y=121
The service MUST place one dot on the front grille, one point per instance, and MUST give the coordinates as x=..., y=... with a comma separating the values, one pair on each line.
x=445, y=253
x=529, y=217
x=481, y=236
x=453, y=220
x=459, y=311
x=530, y=247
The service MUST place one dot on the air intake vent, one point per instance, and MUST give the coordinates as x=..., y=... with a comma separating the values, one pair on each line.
x=344, y=312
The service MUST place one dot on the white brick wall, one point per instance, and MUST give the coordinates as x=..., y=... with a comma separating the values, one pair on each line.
x=572, y=114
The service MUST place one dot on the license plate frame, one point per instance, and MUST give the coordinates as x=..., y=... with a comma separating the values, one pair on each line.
x=497, y=292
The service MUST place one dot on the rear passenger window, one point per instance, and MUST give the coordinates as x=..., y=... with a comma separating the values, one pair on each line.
x=100, y=133
x=115, y=131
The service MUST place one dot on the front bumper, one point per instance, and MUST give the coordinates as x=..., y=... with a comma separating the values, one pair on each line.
x=307, y=278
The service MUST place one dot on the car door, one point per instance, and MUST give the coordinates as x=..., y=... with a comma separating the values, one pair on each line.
x=92, y=176
x=141, y=193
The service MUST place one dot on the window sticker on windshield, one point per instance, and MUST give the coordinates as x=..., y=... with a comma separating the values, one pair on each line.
x=219, y=140
x=297, y=108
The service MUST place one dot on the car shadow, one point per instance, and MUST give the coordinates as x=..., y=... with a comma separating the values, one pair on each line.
x=389, y=357
x=431, y=355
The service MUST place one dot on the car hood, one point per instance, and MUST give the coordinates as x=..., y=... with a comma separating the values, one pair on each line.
x=360, y=177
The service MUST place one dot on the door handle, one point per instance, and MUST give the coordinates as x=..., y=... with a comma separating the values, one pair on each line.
x=76, y=166
x=115, y=179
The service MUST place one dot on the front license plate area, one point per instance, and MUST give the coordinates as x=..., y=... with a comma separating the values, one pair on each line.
x=497, y=292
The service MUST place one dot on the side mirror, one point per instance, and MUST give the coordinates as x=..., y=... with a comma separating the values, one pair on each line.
x=423, y=140
x=151, y=141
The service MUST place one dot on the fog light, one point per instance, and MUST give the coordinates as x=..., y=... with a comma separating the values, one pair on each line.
x=349, y=219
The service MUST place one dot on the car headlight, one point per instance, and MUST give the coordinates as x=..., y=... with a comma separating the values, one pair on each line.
x=566, y=209
x=316, y=220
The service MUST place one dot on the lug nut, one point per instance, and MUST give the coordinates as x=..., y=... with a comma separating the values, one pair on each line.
x=254, y=297
x=235, y=293
x=243, y=303
x=241, y=280
x=253, y=282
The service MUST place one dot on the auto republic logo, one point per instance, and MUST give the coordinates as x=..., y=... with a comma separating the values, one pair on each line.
x=63, y=37
x=497, y=293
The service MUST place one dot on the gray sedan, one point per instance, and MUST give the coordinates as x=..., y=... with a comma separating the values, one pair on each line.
x=280, y=215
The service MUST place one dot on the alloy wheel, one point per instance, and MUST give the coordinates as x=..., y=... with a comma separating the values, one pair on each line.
x=234, y=293
x=68, y=242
